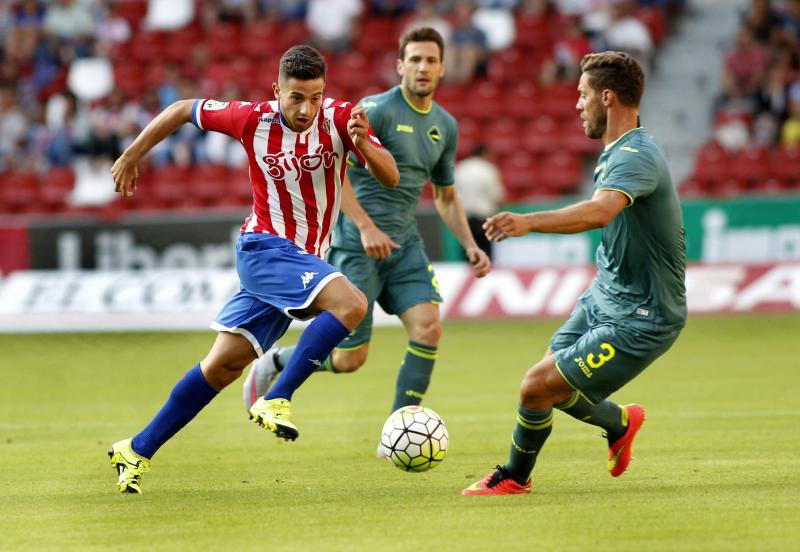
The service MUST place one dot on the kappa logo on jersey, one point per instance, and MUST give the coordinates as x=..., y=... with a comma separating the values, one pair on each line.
x=214, y=105
x=307, y=277
x=281, y=164
x=434, y=134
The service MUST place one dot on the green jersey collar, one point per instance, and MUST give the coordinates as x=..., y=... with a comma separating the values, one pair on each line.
x=612, y=144
x=412, y=106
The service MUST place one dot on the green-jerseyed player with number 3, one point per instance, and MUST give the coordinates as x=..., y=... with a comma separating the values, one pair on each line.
x=635, y=308
x=377, y=244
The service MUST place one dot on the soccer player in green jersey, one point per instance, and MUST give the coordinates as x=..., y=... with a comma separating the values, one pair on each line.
x=377, y=244
x=634, y=309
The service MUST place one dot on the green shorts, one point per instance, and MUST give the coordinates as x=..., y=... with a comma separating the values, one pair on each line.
x=397, y=283
x=598, y=354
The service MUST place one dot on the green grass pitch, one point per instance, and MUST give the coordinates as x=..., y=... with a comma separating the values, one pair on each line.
x=717, y=465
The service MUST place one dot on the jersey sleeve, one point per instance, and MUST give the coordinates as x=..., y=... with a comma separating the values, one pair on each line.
x=226, y=117
x=340, y=118
x=443, y=174
x=631, y=172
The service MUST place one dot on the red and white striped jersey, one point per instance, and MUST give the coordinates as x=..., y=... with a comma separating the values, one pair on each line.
x=296, y=176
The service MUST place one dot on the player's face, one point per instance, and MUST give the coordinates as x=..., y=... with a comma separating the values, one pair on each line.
x=299, y=100
x=421, y=68
x=591, y=109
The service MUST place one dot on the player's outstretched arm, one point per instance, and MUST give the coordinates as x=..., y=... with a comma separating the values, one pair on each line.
x=597, y=212
x=380, y=162
x=124, y=171
x=376, y=243
x=452, y=213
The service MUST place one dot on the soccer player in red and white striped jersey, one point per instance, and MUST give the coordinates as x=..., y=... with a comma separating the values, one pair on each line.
x=297, y=145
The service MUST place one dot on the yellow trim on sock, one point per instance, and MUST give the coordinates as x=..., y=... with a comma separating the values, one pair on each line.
x=528, y=424
x=624, y=415
x=351, y=348
x=422, y=354
x=570, y=402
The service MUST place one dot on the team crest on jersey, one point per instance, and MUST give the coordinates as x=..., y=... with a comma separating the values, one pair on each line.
x=283, y=164
x=326, y=125
x=214, y=105
x=434, y=134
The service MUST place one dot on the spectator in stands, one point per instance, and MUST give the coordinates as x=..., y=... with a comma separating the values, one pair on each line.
x=568, y=51
x=790, y=132
x=791, y=20
x=284, y=10
x=627, y=33
x=763, y=20
x=392, y=8
x=743, y=66
x=68, y=20
x=333, y=23
x=772, y=102
x=468, y=54
x=428, y=15
x=23, y=35
x=480, y=189
x=13, y=129
x=68, y=126
x=497, y=21
x=112, y=29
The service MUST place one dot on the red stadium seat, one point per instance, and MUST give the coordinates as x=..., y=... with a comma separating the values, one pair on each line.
x=377, y=34
x=749, y=165
x=56, y=185
x=224, y=41
x=209, y=183
x=181, y=42
x=503, y=136
x=561, y=172
x=170, y=186
x=785, y=165
x=541, y=135
x=19, y=192
x=711, y=166
x=148, y=46
x=520, y=175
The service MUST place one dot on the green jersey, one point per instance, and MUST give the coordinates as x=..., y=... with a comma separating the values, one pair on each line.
x=423, y=143
x=641, y=259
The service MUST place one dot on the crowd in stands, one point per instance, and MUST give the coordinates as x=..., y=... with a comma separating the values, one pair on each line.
x=756, y=141
x=80, y=78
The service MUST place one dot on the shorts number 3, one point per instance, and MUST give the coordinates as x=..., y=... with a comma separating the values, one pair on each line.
x=597, y=361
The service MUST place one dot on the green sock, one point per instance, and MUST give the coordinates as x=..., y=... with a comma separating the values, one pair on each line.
x=608, y=415
x=285, y=353
x=532, y=430
x=415, y=374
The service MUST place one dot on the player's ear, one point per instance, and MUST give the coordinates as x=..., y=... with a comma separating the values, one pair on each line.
x=608, y=96
x=276, y=89
x=400, y=67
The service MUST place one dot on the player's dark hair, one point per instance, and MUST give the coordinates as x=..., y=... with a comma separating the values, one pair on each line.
x=421, y=34
x=615, y=71
x=302, y=62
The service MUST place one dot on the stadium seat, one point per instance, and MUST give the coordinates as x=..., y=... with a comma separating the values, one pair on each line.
x=711, y=166
x=209, y=183
x=224, y=41
x=377, y=34
x=55, y=187
x=19, y=192
x=169, y=185
x=503, y=136
x=749, y=165
x=148, y=45
x=541, y=135
x=561, y=172
x=520, y=175
x=180, y=43
x=573, y=138
x=785, y=165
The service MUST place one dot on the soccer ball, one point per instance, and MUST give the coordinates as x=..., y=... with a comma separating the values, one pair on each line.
x=415, y=438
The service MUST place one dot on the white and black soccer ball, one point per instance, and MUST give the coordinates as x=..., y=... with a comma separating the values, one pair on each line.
x=415, y=438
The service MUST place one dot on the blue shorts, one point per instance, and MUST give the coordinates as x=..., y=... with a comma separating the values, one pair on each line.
x=278, y=279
